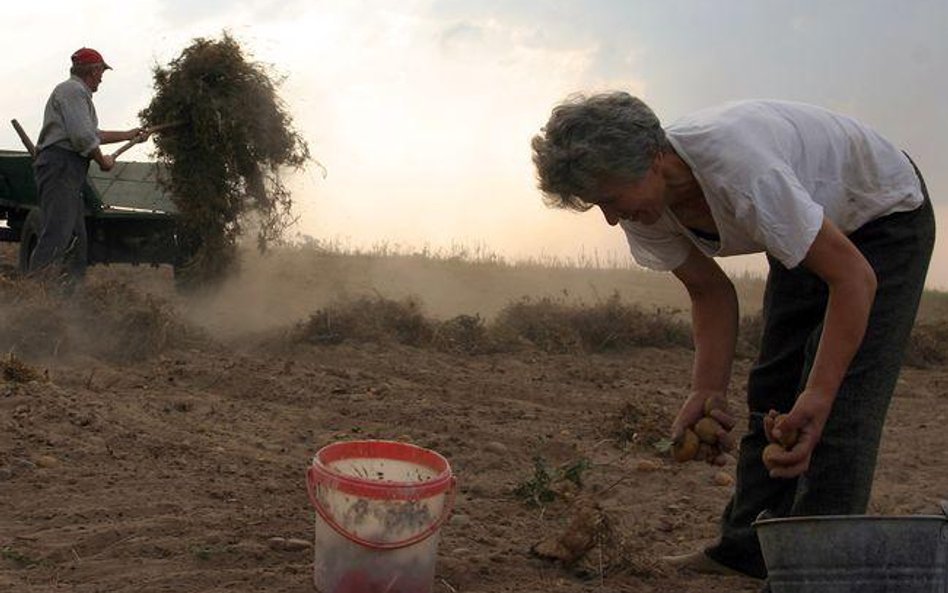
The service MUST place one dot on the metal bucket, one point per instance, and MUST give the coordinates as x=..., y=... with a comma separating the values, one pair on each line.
x=858, y=553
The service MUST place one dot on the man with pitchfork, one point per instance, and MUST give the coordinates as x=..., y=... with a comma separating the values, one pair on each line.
x=69, y=139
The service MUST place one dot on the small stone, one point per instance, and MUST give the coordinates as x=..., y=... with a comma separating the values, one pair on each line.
x=295, y=544
x=5, y=473
x=47, y=461
x=284, y=544
x=459, y=519
x=723, y=479
x=647, y=465
x=496, y=447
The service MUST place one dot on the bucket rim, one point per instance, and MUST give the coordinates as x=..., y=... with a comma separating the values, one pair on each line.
x=845, y=519
x=322, y=471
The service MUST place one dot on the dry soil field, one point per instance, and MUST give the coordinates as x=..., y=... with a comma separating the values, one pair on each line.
x=151, y=442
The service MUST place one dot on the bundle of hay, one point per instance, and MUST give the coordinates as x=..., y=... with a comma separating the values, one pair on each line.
x=222, y=163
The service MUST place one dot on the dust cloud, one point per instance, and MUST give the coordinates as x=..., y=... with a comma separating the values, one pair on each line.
x=273, y=291
x=286, y=286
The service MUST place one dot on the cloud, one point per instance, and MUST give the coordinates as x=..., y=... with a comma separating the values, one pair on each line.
x=423, y=121
x=422, y=110
x=460, y=34
x=187, y=13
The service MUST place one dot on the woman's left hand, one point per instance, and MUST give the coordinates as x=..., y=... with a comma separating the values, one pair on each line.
x=808, y=417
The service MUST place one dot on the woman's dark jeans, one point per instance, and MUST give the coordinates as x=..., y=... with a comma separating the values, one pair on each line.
x=839, y=480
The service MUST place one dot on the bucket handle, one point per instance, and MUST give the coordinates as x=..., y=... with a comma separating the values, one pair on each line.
x=421, y=536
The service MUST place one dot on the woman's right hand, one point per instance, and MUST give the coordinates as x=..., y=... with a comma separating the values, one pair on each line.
x=707, y=403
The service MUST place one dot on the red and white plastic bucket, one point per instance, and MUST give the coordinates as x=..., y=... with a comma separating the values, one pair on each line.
x=379, y=506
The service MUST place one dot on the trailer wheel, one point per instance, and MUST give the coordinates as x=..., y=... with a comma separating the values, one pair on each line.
x=29, y=236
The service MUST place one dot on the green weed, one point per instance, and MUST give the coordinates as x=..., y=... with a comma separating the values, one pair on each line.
x=205, y=552
x=543, y=487
x=17, y=557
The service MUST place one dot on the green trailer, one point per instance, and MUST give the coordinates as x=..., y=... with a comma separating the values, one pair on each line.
x=129, y=217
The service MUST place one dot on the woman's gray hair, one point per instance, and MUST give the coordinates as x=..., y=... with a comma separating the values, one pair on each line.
x=81, y=70
x=590, y=140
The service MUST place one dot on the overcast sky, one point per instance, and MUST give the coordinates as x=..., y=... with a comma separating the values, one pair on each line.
x=422, y=111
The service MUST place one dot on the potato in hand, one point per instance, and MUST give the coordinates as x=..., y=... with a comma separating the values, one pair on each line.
x=707, y=430
x=703, y=441
x=788, y=438
x=770, y=452
x=685, y=448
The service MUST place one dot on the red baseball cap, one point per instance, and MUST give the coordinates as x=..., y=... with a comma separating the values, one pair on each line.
x=85, y=55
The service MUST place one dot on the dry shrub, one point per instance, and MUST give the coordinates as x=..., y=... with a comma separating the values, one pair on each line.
x=35, y=324
x=558, y=327
x=386, y=320
x=465, y=334
x=223, y=163
x=119, y=323
x=553, y=326
x=368, y=319
x=544, y=323
x=108, y=320
x=14, y=370
x=928, y=345
x=612, y=325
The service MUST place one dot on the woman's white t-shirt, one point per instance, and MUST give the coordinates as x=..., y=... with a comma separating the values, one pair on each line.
x=770, y=172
